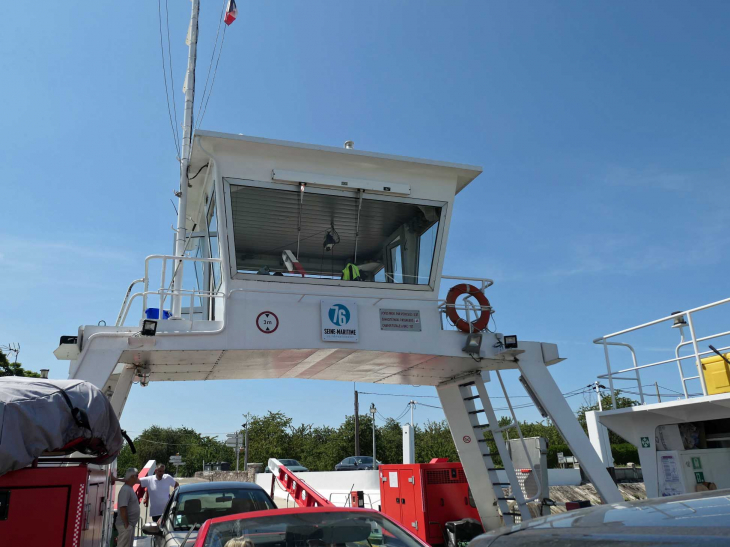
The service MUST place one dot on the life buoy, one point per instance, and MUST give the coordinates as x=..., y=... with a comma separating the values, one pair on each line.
x=481, y=322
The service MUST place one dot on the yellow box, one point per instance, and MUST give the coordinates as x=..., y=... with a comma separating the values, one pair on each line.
x=717, y=374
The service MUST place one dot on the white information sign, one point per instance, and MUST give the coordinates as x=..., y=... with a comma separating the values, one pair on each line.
x=670, y=475
x=176, y=458
x=393, y=479
x=339, y=321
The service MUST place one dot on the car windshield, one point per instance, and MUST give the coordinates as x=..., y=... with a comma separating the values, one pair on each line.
x=289, y=463
x=199, y=506
x=337, y=529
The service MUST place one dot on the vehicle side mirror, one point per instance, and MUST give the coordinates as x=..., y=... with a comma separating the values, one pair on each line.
x=151, y=529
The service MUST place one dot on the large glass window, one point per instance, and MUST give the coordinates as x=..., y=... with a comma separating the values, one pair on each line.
x=198, y=506
x=332, y=234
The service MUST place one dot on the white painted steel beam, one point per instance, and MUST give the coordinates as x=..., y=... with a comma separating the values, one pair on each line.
x=546, y=390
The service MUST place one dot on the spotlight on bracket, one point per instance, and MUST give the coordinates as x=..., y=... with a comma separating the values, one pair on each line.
x=510, y=341
x=473, y=343
x=679, y=321
x=149, y=327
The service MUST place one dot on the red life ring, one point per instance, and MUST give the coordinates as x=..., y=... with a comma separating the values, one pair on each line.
x=478, y=324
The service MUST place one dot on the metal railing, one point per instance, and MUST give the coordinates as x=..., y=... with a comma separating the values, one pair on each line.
x=680, y=320
x=165, y=290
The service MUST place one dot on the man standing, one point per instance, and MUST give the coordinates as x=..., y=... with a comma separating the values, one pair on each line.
x=158, y=491
x=128, y=506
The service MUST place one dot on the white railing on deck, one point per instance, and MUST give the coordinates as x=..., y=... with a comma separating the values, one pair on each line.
x=681, y=320
x=165, y=290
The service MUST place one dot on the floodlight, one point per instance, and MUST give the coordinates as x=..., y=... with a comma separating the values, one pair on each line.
x=510, y=341
x=44, y=373
x=149, y=327
x=473, y=344
x=679, y=321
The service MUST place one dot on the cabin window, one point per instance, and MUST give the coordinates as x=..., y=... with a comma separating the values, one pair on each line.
x=389, y=240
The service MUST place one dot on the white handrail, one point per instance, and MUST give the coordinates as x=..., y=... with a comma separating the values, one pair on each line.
x=681, y=319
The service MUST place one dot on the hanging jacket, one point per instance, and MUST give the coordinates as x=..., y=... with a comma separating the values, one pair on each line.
x=351, y=273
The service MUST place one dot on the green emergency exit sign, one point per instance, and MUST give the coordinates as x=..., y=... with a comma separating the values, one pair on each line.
x=699, y=477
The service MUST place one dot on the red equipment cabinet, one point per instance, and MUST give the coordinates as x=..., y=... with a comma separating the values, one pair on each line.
x=53, y=506
x=424, y=497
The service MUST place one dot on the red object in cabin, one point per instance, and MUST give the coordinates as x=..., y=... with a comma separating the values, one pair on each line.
x=53, y=506
x=424, y=497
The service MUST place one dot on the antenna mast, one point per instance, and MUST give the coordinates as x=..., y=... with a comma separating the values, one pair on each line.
x=189, y=89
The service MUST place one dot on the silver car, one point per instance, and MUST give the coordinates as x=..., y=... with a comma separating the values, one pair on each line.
x=192, y=504
x=679, y=521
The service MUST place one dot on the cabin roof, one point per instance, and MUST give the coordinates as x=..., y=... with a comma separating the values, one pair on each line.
x=465, y=173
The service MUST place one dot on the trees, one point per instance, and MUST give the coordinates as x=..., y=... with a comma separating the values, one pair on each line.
x=14, y=369
x=607, y=403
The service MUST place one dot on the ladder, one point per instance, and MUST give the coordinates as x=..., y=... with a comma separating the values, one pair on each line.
x=470, y=414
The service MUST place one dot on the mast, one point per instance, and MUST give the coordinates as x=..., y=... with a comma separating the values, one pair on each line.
x=189, y=89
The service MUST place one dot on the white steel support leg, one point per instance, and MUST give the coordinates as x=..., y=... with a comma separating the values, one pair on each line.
x=546, y=390
x=122, y=389
x=470, y=454
x=598, y=434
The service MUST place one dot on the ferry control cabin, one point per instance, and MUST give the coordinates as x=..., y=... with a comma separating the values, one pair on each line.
x=310, y=262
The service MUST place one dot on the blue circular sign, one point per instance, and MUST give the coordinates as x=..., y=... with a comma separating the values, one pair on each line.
x=339, y=315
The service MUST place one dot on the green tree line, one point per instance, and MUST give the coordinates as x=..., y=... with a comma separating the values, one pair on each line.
x=319, y=448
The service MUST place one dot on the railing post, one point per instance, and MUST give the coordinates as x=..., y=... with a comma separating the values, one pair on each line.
x=610, y=378
x=697, y=354
x=638, y=376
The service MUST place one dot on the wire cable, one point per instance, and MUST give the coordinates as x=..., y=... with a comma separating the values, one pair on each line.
x=169, y=66
x=212, y=83
x=210, y=65
x=164, y=76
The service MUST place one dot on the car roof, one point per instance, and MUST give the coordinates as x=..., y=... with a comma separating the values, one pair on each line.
x=688, y=516
x=292, y=511
x=213, y=486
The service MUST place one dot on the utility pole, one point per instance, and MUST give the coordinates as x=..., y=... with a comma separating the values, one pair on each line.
x=373, y=410
x=245, y=443
x=658, y=396
x=413, y=404
x=357, y=426
x=238, y=448
x=182, y=204
x=597, y=388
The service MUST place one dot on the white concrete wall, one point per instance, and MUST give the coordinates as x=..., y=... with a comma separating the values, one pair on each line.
x=336, y=485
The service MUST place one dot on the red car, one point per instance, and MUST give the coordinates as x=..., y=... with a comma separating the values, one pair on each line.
x=306, y=527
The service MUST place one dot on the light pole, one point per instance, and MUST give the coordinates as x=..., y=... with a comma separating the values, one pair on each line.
x=373, y=410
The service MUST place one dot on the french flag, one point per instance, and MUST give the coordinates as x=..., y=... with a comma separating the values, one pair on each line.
x=231, y=12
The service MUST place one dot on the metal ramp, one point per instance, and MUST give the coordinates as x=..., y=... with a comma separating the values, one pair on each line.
x=469, y=421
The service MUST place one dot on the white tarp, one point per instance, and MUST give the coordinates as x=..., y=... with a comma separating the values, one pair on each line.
x=35, y=417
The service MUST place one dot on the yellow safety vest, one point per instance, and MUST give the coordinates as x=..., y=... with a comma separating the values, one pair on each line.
x=351, y=273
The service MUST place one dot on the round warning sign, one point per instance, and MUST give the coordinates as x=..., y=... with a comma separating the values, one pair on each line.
x=267, y=322
x=467, y=439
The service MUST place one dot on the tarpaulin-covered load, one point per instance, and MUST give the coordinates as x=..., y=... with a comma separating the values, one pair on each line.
x=58, y=416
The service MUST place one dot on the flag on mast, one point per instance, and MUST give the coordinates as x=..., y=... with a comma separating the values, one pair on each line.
x=231, y=12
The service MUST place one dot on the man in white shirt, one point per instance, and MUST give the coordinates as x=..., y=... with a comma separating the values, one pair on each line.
x=158, y=491
x=128, y=507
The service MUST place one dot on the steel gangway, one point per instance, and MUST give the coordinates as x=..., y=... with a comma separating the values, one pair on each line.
x=301, y=492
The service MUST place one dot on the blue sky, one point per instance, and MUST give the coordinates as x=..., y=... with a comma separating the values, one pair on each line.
x=602, y=127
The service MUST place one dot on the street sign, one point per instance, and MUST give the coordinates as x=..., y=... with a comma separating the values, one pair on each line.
x=175, y=459
x=232, y=435
x=233, y=442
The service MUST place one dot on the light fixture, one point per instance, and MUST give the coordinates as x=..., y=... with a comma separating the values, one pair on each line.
x=510, y=341
x=149, y=327
x=372, y=409
x=679, y=321
x=473, y=343
x=44, y=373
x=331, y=238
